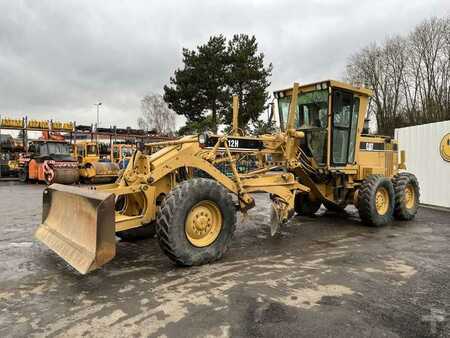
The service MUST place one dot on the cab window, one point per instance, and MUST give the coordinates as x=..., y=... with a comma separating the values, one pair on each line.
x=312, y=119
x=91, y=149
x=345, y=121
x=312, y=110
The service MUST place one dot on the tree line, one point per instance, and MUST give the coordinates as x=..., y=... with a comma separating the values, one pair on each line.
x=409, y=75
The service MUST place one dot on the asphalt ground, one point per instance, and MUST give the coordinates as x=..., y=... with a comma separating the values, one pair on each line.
x=323, y=276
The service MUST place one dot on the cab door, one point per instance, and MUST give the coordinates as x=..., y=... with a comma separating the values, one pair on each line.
x=344, y=125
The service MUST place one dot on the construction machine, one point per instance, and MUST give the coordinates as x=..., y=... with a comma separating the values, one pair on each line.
x=10, y=149
x=92, y=169
x=48, y=161
x=121, y=154
x=323, y=156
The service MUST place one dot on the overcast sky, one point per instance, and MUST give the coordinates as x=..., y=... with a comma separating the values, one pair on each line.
x=58, y=58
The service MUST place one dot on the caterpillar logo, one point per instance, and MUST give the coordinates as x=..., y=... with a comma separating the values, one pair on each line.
x=444, y=147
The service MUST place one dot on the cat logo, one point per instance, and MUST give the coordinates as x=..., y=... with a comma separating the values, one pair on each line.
x=444, y=147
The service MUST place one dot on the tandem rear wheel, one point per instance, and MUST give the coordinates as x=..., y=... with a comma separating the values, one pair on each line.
x=381, y=199
x=376, y=200
x=407, y=195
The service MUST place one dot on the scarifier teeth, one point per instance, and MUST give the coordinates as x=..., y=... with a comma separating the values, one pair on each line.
x=274, y=220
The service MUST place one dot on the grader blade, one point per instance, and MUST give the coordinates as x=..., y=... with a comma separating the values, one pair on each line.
x=78, y=225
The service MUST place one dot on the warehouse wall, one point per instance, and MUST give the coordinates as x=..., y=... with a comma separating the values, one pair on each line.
x=423, y=159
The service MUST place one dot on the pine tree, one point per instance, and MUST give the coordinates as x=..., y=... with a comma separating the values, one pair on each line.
x=215, y=71
x=200, y=87
x=247, y=78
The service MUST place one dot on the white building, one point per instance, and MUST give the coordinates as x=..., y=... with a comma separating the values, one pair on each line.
x=427, y=150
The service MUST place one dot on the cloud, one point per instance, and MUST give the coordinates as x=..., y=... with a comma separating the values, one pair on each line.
x=58, y=58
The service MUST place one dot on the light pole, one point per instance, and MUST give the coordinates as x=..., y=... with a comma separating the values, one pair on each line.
x=98, y=109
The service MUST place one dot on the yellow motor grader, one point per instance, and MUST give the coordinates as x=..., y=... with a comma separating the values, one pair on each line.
x=324, y=159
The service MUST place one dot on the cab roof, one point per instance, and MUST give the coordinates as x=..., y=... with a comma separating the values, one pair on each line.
x=323, y=85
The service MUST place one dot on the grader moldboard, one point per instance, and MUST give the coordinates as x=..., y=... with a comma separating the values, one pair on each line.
x=324, y=156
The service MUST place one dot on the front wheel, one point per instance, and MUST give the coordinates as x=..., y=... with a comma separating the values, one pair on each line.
x=196, y=222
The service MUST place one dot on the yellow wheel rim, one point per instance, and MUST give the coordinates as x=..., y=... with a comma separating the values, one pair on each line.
x=382, y=201
x=203, y=224
x=410, y=198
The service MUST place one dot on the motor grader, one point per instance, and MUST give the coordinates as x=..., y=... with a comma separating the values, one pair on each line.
x=92, y=170
x=323, y=156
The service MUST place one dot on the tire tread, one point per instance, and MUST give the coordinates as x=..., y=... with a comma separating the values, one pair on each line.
x=166, y=216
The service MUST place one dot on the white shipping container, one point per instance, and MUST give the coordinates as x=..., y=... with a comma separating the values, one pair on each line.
x=422, y=145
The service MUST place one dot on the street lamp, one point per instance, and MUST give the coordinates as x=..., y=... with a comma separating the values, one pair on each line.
x=98, y=109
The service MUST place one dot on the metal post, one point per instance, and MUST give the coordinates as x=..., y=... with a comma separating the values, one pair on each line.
x=235, y=123
x=25, y=135
x=111, y=146
x=98, y=112
x=98, y=120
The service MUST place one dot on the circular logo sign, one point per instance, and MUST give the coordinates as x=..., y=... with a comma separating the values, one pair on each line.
x=444, y=148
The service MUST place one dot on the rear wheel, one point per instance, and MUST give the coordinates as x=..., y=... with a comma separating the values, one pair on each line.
x=196, y=222
x=305, y=206
x=23, y=175
x=407, y=194
x=376, y=200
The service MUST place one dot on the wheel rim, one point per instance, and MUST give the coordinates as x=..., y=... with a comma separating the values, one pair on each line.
x=410, y=197
x=203, y=224
x=382, y=201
